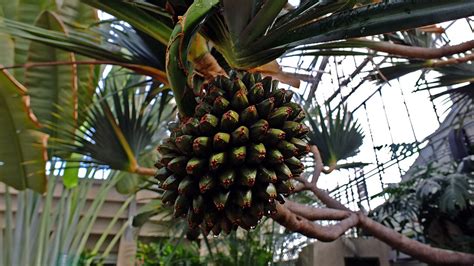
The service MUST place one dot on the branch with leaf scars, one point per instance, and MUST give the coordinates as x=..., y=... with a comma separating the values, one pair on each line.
x=297, y=223
x=313, y=213
x=321, y=194
x=299, y=219
x=318, y=168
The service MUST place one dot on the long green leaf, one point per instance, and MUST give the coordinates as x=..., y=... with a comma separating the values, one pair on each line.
x=136, y=17
x=90, y=218
x=237, y=15
x=45, y=224
x=177, y=67
x=264, y=18
x=77, y=15
x=7, y=47
x=371, y=20
x=78, y=42
x=23, y=153
x=324, y=21
x=112, y=223
x=8, y=226
x=26, y=12
x=53, y=90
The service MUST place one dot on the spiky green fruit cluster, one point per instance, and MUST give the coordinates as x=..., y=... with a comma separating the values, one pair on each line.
x=225, y=166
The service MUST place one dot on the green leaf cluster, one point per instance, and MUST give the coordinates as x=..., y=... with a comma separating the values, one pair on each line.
x=434, y=205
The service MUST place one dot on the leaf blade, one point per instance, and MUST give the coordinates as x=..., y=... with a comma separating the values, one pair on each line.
x=23, y=153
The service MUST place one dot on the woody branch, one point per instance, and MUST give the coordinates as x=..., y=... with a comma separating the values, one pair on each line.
x=300, y=218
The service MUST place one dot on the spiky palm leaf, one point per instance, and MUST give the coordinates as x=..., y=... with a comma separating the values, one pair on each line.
x=459, y=79
x=120, y=124
x=337, y=136
x=256, y=37
x=257, y=32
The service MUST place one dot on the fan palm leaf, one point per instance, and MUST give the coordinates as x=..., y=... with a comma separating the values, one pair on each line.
x=337, y=137
x=119, y=125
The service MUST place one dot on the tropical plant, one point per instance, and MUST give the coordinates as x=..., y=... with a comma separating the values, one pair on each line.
x=167, y=253
x=337, y=138
x=456, y=73
x=22, y=142
x=239, y=248
x=53, y=229
x=434, y=205
x=54, y=91
x=182, y=45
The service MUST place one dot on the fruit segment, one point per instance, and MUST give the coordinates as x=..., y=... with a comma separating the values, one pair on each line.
x=234, y=160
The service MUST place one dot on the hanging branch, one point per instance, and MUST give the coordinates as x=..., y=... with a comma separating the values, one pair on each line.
x=299, y=218
x=297, y=223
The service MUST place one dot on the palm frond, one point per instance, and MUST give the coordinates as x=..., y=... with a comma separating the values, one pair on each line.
x=126, y=37
x=54, y=227
x=138, y=18
x=119, y=125
x=262, y=36
x=337, y=136
x=75, y=41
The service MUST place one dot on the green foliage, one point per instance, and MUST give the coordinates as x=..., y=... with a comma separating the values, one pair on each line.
x=121, y=123
x=55, y=90
x=23, y=152
x=53, y=228
x=242, y=251
x=239, y=249
x=177, y=67
x=167, y=253
x=455, y=195
x=140, y=19
x=337, y=135
x=435, y=205
x=119, y=126
x=88, y=258
x=265, y=31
